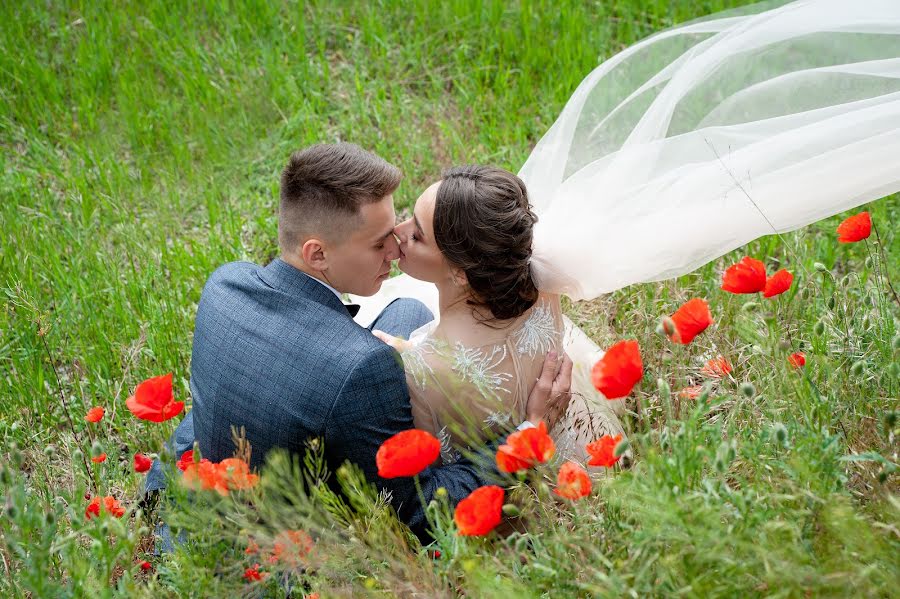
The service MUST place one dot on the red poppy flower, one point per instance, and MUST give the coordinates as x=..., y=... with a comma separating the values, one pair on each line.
x=253, y=574
x=145, y=566
x=187, y=458
x=572, y=482
x=205, y=476
x=95, y=414
x=290, y=548
x=99, y=459
x=690, y=392
x=855, y=228
x=747, y=276
x=716, y=368
x=236, y=474
x=619, y=370
x=602, y=450
x=142, y=463
x=153, y=400
x=778, y=283
x=407, y=453
x=108, y=504
x=690, y=320
x=480, y=512
x=523, y=449
x=797, y=360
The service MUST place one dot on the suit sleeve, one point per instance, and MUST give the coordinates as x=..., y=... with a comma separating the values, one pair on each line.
x=372, y=406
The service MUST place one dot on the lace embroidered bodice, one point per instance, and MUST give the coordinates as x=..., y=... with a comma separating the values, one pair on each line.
x=467, y=384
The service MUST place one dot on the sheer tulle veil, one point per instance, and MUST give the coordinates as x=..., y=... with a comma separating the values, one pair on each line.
x=706, y=136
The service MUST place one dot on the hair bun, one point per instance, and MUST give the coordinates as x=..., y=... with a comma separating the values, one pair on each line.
x=484, y=224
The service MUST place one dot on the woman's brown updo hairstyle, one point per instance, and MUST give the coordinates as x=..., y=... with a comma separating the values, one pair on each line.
x=483, y=224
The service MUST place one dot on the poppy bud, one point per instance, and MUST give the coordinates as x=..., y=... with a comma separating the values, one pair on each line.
x=831, y=302
x=511, y=511
x=857, y=368
x=890, y=420
x=750, y=306
x=882, y=476
x=5, y=476
x=11, y=511
x=868, y=301
x=819, y=328
x=50, y=451
x=806, y=293
x=668, y=326
x=16, y=456
x=143, y=531
x=820, y=267
x=621, y=447
x=748, y=390
x=659, y=330
x=780, y=433
x=77, y=455
x=49, y=519
x=196, y=454
x=868, y=262
x=96, y=449
x=664, y=390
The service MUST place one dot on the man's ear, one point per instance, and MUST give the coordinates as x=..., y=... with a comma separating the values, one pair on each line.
x=313, y=254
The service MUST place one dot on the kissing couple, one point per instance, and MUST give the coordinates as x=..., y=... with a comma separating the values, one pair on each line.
x=670, y=154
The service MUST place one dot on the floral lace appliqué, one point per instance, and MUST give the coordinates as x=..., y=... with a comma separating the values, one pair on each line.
x=448, y=454
x=479, y=368
x=538, y=332
x=416, y=365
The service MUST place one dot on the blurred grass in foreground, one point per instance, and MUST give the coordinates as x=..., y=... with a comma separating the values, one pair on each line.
x=141, y=149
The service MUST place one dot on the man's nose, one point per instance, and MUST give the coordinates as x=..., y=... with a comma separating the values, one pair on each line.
x=393, y=249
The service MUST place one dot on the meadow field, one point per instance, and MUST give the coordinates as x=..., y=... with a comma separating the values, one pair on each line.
x=141, y=147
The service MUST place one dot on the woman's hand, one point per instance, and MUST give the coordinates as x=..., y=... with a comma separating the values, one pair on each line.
x=551, y=394
x=397, y=343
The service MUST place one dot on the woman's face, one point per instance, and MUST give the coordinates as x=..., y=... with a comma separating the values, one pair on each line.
x=420, y=257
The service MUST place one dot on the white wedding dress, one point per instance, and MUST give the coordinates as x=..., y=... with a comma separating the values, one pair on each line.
x=691, y=143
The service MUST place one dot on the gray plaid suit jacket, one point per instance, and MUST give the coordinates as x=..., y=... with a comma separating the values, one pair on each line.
x=277, y=353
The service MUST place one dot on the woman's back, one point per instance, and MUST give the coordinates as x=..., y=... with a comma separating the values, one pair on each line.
x=469, y=380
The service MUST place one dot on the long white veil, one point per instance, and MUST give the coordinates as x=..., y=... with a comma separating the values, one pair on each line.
x=706, y=136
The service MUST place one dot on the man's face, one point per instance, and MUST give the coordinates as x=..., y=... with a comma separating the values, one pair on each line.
x=362, y=262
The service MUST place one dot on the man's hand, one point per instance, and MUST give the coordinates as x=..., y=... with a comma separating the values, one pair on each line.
x=551, y=394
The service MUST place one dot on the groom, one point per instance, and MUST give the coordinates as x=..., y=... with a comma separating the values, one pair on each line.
x=277, y=352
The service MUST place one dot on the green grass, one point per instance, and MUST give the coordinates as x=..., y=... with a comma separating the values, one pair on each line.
x=141, y=149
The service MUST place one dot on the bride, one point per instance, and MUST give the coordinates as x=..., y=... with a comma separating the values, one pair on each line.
x=668, y=155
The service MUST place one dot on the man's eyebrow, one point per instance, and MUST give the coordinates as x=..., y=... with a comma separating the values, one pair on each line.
x=385, y=236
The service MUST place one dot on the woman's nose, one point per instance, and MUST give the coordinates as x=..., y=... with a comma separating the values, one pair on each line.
x=401, y=230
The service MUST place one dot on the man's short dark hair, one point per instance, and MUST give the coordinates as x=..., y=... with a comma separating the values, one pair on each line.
x=323, y=188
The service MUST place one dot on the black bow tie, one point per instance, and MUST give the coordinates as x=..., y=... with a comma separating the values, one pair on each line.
x=353, y=309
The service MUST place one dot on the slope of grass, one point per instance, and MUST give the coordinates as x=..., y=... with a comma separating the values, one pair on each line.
x=141, y=149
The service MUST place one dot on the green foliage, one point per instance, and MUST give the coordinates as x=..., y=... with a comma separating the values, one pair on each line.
x=142, y=145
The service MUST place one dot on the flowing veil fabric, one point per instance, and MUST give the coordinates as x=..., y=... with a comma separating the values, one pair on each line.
x=698, y=140
x=706, y=136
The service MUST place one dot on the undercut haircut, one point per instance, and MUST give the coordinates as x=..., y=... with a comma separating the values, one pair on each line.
x=323, y=188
